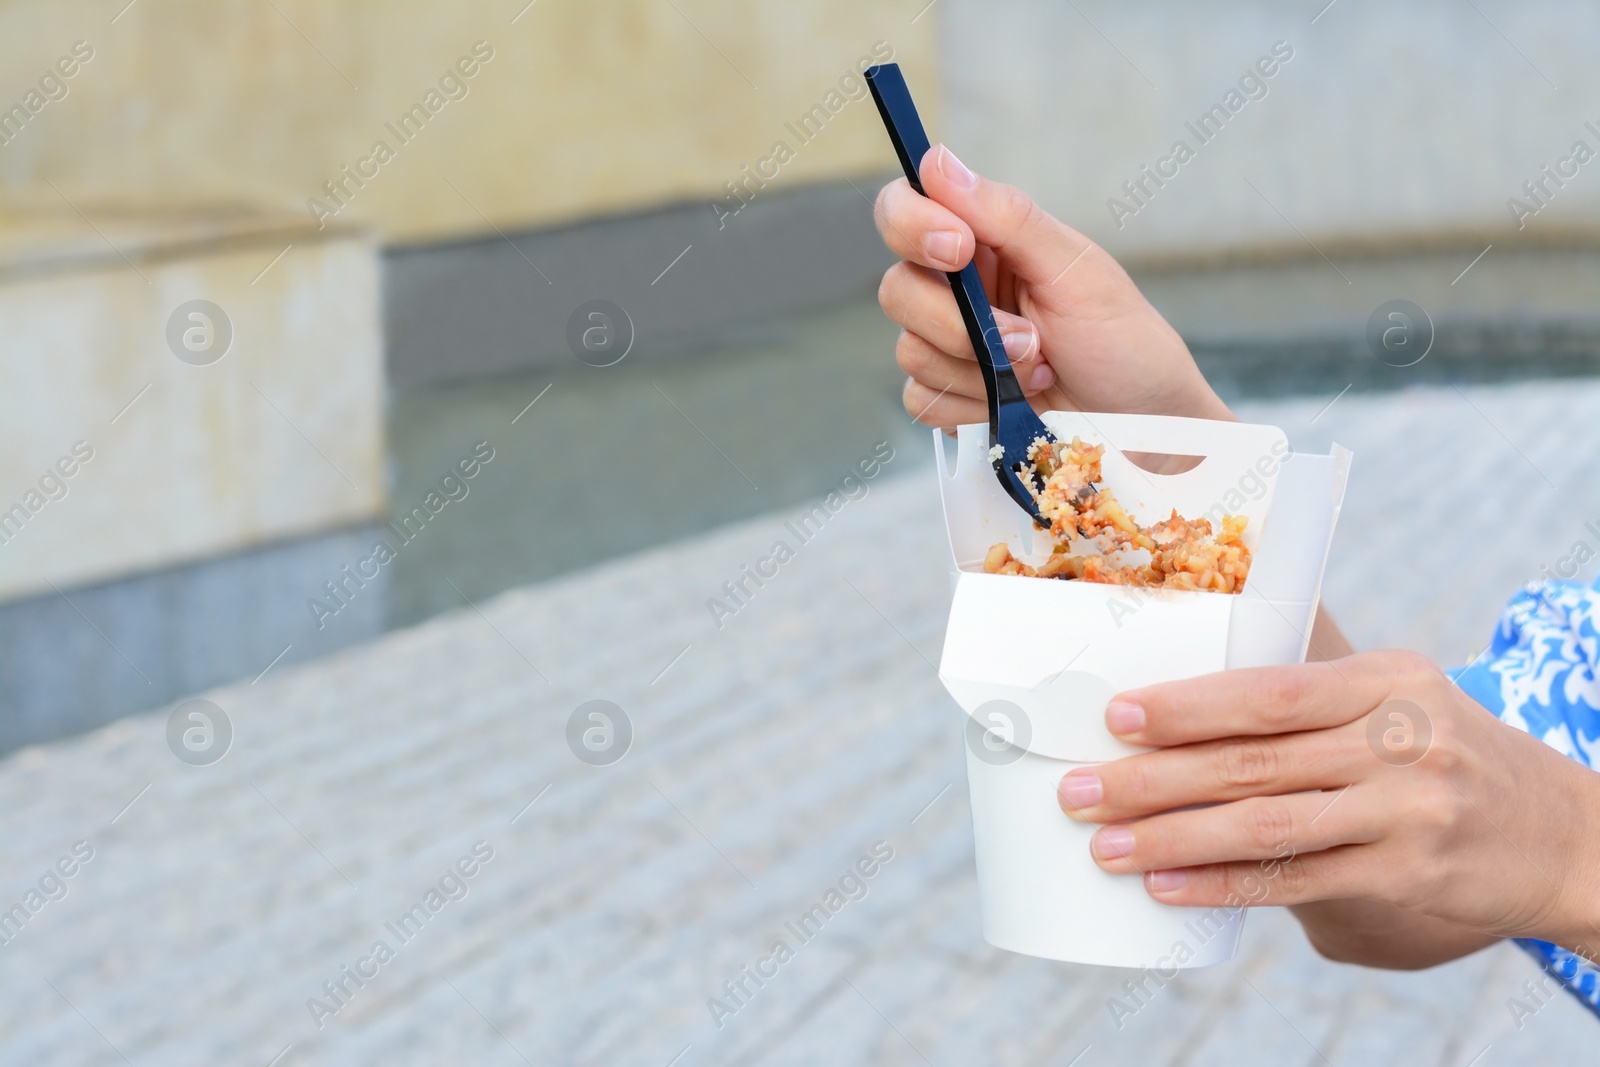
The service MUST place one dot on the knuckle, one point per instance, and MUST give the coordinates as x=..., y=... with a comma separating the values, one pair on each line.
x=908, y=354
x=908, y=397
x=1271, y=825
x=1276, y=694
x=1407, y=666
x=1441, y=810
x=1244, y=884
x=1410, y=881
x=891, y=288
x=1445, y=756
x=880, y=203
x=1243, y=763
x=1131, y=784
x=1017, y=206
x=1293, y=879
x=883, y=207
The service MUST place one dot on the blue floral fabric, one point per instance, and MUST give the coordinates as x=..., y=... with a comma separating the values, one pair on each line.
x=1541, y=674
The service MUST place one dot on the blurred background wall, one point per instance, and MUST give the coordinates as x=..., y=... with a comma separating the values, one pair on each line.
x=1389, y=135
x=1389, y=124
x=615, y=107
x=574, y=110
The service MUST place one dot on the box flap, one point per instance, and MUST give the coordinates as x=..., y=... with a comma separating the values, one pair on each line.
x=1058, y=651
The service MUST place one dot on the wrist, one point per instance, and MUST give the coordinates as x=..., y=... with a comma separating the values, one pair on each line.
x=1574, y=920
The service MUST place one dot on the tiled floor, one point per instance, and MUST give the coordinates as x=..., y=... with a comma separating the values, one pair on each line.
x=767, y=755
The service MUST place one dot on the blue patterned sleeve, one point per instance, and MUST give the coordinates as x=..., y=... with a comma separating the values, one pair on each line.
x=1541, y=674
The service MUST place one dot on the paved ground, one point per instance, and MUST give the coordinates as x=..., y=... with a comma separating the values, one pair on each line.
x=767, y=757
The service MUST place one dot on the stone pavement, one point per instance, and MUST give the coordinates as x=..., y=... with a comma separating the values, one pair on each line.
x=767, y=757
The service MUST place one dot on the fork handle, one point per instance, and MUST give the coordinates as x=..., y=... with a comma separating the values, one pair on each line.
x=910, y=140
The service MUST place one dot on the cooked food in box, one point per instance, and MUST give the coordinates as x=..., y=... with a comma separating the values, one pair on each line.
x=1182, y=553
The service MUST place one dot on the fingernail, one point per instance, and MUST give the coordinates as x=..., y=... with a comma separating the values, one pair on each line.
x=943, y=246
x=1043, y=376
x=1081, y=789
x=1124, y=718
x=955, y=170
x=1018, y=342
x=1166, y=881
x=1112, y=843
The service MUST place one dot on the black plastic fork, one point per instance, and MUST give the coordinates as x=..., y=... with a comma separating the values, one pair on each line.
x=1013, y=425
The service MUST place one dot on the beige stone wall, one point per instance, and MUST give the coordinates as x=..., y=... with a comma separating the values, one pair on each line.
x=117, y=456
x=583, y=108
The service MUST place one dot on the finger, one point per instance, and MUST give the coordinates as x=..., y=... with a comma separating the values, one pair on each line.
x=942, y=409
x=1331, y=875
x=1260, y=700
x=920, y=230
x=1258, y=828
x=920, y=300
x=1214, y=771
x=1003, y=217
x=941, y=371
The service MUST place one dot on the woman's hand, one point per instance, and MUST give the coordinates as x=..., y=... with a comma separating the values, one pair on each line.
x=1078, y=330
x=1365, y=779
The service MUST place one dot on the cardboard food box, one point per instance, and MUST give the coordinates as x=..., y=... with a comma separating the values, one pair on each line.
x=1033, y=663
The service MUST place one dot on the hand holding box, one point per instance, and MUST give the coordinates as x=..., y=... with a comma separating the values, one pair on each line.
x=1033, y=662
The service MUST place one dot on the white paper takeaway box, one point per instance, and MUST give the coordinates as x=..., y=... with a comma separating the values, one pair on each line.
x=1054, y=652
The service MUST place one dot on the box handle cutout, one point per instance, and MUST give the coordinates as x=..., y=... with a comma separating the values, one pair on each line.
x=1163, y=462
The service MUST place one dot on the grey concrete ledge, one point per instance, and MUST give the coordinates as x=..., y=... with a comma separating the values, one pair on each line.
x=72, y=661
x=500, y=302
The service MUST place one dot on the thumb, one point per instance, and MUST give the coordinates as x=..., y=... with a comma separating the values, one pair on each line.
x=1035, y=245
